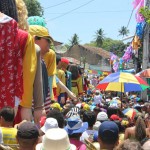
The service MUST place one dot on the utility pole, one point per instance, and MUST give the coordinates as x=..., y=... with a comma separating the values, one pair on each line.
x=146, y=52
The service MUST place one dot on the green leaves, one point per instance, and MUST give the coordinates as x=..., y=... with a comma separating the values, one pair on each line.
x=145, y=11
x=34, y=8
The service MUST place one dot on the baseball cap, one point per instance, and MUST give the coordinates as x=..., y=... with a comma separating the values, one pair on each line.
x=108, y=130
x=49, y=124
x=115, y=117
x=65, y=60
x=39, y=31
x=102, y=116
x=27, y=130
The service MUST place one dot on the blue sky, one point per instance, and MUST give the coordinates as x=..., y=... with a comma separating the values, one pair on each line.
x=86, y=19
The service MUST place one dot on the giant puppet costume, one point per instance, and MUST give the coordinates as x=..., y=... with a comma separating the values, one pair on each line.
x=18, y=61
x=49, y=58
x=77, y=84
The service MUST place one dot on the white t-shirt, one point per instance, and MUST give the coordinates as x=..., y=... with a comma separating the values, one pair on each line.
x=97, y=99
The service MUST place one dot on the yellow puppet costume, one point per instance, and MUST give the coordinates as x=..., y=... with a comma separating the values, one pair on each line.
x=61, y=76
x=50, y=60
x=29, y=58
x=77, y=86
x=29, y=70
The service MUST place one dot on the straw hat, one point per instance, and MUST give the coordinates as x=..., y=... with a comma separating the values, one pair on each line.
x=55, y=139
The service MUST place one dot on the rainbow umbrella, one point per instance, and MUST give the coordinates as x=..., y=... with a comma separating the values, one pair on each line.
x=130, y=112
x=122, y=82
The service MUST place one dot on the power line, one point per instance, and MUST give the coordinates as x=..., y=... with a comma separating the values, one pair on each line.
x=58, y=4
x=71, y=10
x=130, y=18
x=95, y=12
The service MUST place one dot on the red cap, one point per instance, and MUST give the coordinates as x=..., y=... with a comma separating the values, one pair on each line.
x=115, y=117
x=65, y=60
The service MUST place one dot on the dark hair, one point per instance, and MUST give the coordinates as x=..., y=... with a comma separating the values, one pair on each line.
x=8, y=7
x=74, y=70
x=58, y=116
x=37, y=38
x=58, y=59
x=7, y=113
x=111, y=111
x=89, y=117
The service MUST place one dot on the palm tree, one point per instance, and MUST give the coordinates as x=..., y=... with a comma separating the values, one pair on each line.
x=74, y=40
x=99, y=37
x=123, y=31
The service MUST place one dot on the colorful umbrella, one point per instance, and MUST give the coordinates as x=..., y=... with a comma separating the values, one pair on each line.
x=144, y=73
x=122, y=82
x=130, y=112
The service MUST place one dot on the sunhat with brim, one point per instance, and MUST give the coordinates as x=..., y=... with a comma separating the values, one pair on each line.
x=55, y=139
x=75, y=125
x=49, y=124
x=36, y=30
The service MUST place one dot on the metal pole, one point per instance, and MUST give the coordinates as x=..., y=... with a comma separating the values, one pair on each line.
x=146, y=52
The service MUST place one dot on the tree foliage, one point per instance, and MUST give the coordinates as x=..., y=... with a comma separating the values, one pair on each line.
x=115, y=46
x=123, y=31
x=74, y=40
x=34, y=8
x=99, y=37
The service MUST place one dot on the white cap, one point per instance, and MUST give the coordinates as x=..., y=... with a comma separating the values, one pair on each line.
x=49, y=124
x=102, y=116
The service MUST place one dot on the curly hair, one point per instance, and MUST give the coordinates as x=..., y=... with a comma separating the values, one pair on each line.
x=22, y=15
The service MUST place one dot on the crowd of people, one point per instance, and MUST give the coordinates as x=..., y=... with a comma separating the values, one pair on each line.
x=48, y=103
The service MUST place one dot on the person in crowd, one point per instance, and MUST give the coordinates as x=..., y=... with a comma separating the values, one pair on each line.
x=56, y=139
x=102, y=116
x=49, y=124
x=7, y=131
x=27, y=136
x=75, y=127
x=108, y=135
x=97, y=98
x=77, y=85
x=90, y=118
x=60, y=93
x=137, y=132
x=64, y=67
x=58, y=116
x=43, y=40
